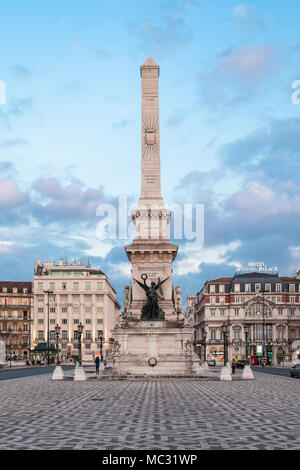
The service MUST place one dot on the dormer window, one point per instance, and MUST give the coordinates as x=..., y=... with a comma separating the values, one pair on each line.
x=237, y=288
x=212, y=289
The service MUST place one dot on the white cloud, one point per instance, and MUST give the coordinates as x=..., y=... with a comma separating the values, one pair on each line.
x=195, y=256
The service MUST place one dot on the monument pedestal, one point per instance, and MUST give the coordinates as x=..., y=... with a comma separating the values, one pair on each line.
x=154, y=349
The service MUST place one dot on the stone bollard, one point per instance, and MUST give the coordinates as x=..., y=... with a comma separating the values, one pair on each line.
x=247, y=373
x=79, y=374
x=205, y=366
x=58, y=373
x=225, y=374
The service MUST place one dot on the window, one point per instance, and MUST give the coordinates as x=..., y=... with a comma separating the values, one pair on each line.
x=292, y=288
x=88, y=321
x=99, y=285
x=88, y=309
x=52, y=285
x=52, y=298
x=100, y=334
x=213, y=313
x=88, y=334
x=237, y=334
x=247, y=287
x=269, y=332
x=100, y=321
x=63, y=299
x=221, y=288
x=64, y=321
x=76, y=309
x=222, y=300
x=76, y=321
x=52, y=321
x=292, y=312
x=15, y=290
x=64, y=334
x=52, y=309
x=212, y=334
x=88, y=346
x=40, y=310
x=280, y=311
x=278, y=299
x=87, y=286
x=236, y=312
x=267, y=287
x=64, y=286
x=257, y=287
x=75, y=285
x=99, y=309
x=40, y=335
x=40, y=299
x=40, y=321
x=292, y=300
x=278, y=287
x=64, y=310
x=76, y=298
x=212, y=289
x=222, y=312
x=25, y=290
x=237, y=287
x=25, y=327
x=280, y=332
x=40, y=286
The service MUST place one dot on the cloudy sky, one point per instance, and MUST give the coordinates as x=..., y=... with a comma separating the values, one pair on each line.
x=70, y=129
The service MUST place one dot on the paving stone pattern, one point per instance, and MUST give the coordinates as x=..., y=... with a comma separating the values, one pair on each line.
x=166, y=414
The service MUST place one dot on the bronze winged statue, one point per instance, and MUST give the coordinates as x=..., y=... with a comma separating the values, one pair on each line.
x=151, y=310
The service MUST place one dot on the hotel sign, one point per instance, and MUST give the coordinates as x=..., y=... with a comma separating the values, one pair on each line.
x=258, y=267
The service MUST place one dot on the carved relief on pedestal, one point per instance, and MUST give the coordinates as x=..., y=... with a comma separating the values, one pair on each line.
x=123, y=317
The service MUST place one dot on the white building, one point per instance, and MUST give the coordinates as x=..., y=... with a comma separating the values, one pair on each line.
x=79, y=294
x=241, y=314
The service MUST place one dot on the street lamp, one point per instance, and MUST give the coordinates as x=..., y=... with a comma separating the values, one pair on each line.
x=101, y=345
x=57, y=331
x=204, y=336
x=79, y=333
x=225, y=338
x=262, y=291
x=246, y=330
x=49, y=292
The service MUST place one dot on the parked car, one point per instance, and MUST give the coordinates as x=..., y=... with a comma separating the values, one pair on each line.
x=211, y=362
x=241, y=363
x=295, y=371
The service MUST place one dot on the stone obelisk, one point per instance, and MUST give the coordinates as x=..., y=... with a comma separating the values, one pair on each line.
x=151, y=336
x=151, y=252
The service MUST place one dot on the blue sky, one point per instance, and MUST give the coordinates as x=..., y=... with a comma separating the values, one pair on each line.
x=70, y=128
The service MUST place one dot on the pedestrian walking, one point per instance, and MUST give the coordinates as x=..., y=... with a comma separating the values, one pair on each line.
x=233, y=366
x=97, y=363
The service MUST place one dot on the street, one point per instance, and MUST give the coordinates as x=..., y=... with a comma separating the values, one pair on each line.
x=283, y=371
x=7, y=374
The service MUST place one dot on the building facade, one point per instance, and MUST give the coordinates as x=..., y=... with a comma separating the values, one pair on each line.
x=16, y=318
x=68, y=295
x=251, y=315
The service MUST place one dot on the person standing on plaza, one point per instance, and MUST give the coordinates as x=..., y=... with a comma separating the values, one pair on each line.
x=233, y=366
x=97, y=363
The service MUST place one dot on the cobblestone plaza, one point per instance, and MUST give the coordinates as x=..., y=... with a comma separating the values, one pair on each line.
x=165, y=414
